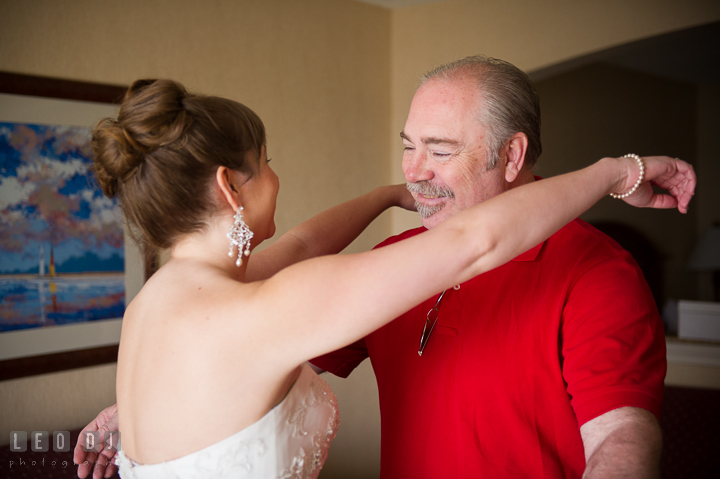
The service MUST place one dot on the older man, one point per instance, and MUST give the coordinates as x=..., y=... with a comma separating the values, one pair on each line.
x=549, y=366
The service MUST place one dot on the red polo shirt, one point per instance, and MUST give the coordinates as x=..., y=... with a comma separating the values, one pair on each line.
x=521, y=357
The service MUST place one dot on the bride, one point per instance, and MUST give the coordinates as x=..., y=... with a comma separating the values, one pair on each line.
x=218, y=337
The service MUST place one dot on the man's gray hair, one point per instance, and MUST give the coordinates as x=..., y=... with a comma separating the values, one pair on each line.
x=511, y=103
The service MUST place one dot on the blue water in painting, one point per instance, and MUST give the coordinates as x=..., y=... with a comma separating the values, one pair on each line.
x=36, y=302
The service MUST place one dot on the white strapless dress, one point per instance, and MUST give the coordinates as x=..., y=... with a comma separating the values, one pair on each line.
x=290, y=441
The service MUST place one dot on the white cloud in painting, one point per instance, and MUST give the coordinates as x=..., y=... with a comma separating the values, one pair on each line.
x=74, y=134
x=103, y=209
x=111, y=216
x=88, y=195
x=68, y=169
x=13, y=216
x=13, y=191
x=50, y=168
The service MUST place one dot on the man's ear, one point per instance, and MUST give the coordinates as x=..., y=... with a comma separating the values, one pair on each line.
x=515, y=150
x=229, y=186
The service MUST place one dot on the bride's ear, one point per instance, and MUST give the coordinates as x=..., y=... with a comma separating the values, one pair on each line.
x=227, y=181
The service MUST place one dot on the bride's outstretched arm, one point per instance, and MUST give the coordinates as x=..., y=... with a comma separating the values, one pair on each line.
x=328, y=232
x=320, y=305
x=523, y=217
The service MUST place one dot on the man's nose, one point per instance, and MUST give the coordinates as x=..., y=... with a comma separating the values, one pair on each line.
x=416, y=169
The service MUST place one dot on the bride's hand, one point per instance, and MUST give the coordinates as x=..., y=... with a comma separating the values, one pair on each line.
x=101, y=464
x=675, y=176
x=404, y=198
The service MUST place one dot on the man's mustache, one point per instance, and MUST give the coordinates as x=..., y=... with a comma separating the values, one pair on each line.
x=429, y=189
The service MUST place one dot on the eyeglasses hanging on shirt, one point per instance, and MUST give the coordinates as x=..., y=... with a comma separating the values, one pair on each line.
x=432, y=317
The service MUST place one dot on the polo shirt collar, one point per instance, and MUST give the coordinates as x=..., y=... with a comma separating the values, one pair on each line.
x=531, y=254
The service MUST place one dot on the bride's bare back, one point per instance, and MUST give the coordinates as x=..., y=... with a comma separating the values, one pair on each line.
x=178, y=360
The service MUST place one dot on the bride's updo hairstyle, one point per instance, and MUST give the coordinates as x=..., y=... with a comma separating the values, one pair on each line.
x=161, y=154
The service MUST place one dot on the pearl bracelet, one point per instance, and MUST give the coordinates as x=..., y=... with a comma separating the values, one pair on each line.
x=639, y=180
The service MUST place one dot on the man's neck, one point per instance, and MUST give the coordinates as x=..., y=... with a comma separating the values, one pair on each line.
x=525, y=177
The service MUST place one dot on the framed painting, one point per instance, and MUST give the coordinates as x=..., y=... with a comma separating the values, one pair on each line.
x=67, y=265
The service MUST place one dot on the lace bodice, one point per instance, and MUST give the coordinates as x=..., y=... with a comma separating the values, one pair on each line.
x=289, y=442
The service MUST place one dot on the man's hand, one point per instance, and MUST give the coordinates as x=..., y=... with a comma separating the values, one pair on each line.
x=101, y=464
x=622, y=443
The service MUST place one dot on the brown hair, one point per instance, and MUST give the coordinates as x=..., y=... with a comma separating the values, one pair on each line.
x=510, y=101
x=161, y=154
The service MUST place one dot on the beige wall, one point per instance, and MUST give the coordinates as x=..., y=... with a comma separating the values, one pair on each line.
x=61, y=401
x=332, y=79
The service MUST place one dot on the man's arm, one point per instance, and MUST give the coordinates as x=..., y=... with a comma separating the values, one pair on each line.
x=614, y=357
x=622, y=443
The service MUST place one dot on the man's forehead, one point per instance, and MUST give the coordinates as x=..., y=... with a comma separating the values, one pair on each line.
x=455, y=91
x=440, y=104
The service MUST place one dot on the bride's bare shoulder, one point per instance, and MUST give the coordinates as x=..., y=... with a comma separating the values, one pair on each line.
x=180, y=290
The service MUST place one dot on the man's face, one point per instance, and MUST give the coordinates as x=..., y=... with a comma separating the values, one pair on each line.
x=445, y=158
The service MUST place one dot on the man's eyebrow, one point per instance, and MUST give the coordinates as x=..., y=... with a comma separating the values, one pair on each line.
x=440, y=141
x=432, y=140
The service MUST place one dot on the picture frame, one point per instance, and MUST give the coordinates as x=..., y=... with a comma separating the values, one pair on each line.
x=51, y=349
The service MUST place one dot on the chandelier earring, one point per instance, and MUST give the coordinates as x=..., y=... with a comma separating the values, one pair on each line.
x=240, y=236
